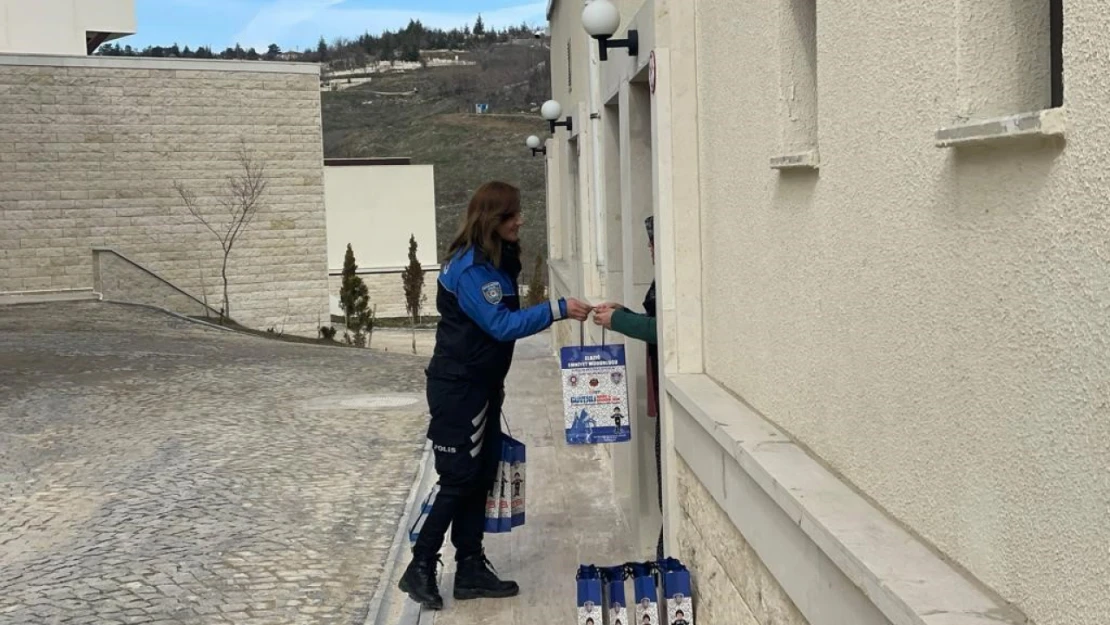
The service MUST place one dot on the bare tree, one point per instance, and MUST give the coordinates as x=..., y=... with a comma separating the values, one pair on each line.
x=241, y=199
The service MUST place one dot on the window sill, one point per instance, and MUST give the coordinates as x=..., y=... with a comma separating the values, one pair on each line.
x=901, y=576
x=798, y=160
x=1038, y=124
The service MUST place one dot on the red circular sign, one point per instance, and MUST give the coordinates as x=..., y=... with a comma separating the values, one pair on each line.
x=651, y=71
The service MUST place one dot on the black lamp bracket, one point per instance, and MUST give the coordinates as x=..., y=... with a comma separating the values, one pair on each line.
x=568, y=123
x=631, y=41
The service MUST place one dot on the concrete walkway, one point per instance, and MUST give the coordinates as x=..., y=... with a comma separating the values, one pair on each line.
x=572, y=515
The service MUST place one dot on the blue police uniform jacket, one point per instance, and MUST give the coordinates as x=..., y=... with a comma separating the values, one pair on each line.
x=481, y=319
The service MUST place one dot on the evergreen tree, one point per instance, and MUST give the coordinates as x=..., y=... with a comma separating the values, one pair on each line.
x=479, y=27
x=354, y=299
x=413, y=277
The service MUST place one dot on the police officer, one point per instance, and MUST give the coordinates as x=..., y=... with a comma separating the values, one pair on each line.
x=480, y=321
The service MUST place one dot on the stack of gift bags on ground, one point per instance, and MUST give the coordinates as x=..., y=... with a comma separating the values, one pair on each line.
x=660, y=594
x=504, y=502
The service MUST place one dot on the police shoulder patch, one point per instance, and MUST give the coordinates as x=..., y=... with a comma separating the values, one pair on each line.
x=492, y=292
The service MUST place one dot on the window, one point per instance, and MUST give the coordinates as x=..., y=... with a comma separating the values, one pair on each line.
x=1056, y=39
x=570, y=69
x=571, y=206
x=798, y=81
x=1010, y=57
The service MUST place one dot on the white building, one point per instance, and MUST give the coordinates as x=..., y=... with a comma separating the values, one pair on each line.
x=375, y=205
x=883, y=280
x=74, y=27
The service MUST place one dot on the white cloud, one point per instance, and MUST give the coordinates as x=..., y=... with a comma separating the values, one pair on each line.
x=299, y=23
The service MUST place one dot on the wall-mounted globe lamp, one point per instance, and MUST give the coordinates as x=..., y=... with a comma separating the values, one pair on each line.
x=601, y=20
x=534, y=143
x=551, y=111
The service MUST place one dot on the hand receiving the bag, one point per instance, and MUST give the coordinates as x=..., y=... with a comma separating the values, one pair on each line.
x=607, y=306
x=604, y=317
x=578, y=310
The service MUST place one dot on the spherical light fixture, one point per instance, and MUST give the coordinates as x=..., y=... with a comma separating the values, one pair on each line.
x=533, y=142
x=601, y=19
x=551, y=110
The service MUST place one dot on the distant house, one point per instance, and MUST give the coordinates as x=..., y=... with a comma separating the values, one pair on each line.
x=63, y=26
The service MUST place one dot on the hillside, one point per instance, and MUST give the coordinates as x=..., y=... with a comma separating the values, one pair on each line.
x=428, y=114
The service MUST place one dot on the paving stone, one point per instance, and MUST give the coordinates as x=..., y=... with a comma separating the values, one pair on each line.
x=155, y=471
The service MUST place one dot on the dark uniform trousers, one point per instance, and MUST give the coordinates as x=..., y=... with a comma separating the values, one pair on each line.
x=465, y=431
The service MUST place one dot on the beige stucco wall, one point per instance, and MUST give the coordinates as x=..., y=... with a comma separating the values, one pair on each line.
x=933, y=324
x=375, y=209
x=566, y=26
x=90, y=149
x=59, y=26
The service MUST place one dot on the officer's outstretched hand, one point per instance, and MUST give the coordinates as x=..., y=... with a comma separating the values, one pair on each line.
x=578, y=310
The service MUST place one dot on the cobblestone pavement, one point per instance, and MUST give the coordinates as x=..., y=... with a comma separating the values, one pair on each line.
x=156, y=471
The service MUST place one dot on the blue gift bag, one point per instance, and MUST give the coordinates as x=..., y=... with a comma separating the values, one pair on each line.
x=589, y=596
x=496, y=493
x=676, y=591
x=505, y=503
x=615, y=596
x=595, y=394
x=647, y=599
x=517, y=460
x=504, y=499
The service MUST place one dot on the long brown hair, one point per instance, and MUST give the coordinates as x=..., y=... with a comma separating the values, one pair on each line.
x=493, y=203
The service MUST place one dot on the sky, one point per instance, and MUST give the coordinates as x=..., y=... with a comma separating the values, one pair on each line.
x=299, y=24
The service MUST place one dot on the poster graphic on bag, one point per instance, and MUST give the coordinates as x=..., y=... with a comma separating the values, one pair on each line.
x=595, y=394
x=589, y=596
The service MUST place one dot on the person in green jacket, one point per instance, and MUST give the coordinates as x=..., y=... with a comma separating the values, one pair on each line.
x=638, y=326
x=617, y=318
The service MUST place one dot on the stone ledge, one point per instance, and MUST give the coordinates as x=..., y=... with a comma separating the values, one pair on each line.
x=431, y=268
x=1038, y=124
x=10, y=298
x=125, y=63
x=901, y=576
x=799, y=160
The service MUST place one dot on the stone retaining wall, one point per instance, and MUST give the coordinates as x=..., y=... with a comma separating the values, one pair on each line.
x=90, y=149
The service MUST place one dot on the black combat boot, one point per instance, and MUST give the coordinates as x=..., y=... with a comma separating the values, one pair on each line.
x=420, y=583
x=476, y=579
